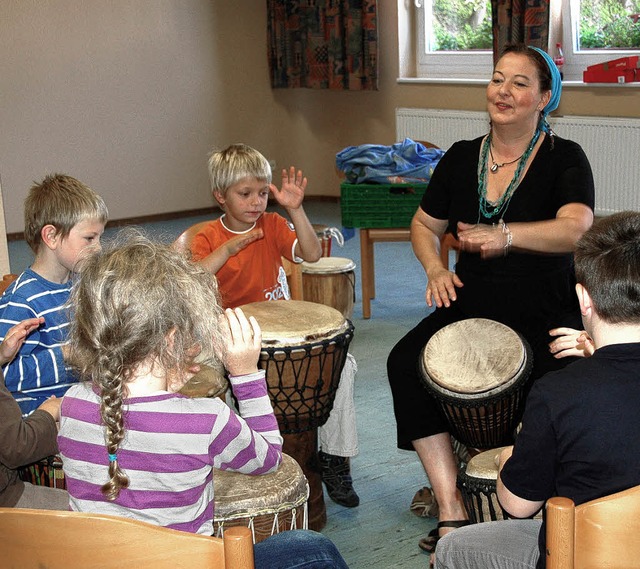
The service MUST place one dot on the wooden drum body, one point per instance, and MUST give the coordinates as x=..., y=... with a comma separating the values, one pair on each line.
x=266, y=504
x=477, y=369
x=477, y=483
x=304, y=348
x=330, y=281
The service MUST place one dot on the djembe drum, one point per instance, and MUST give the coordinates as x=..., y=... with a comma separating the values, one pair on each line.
x=330, y=281
x=477, y=370
x=477, y=483
x=266, y=504
x=304, y=348
x=208, y=382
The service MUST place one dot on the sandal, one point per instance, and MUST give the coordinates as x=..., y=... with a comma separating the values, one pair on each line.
x=429, y=543
x=424, y=503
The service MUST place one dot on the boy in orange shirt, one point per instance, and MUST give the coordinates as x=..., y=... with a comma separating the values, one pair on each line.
x=244, y=247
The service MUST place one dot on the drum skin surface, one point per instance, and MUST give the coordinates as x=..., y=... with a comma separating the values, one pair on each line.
x=473, y=356
x=267, y=504
x=286, y=323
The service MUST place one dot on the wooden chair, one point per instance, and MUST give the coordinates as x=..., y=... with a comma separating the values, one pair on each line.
x=6, y=281
x=292, y=270
x=51, y=539
x=598, y=534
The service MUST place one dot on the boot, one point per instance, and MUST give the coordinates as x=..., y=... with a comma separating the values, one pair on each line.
x=336, y=475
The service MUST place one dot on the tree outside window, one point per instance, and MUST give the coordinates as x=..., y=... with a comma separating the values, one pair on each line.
x=609, y=24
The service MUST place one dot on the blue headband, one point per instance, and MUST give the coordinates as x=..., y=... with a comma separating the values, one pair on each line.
x=556, y=88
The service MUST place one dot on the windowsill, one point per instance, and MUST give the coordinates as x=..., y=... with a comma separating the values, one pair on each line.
x=565, y=84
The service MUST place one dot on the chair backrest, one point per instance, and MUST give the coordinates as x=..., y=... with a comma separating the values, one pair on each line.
x=292, y=270
x=6, y=281
x=598, y=534
x=74, y=540
x=183, y=242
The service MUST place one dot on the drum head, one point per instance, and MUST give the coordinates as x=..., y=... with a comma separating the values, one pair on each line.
x=295, y=322
x=485, y=464
x=238, y=495
x=208, y=382
x=328, y=266
x=474, y=356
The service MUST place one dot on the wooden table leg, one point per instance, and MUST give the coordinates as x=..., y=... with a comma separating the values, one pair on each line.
x=367, y=277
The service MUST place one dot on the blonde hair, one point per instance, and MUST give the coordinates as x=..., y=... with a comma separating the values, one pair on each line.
x=227, y=167
x=61, y=201
x=134, y=303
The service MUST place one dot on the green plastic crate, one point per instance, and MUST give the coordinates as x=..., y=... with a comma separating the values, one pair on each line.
x=379, y=205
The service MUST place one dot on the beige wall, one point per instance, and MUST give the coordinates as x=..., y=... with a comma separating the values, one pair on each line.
x=130, y=95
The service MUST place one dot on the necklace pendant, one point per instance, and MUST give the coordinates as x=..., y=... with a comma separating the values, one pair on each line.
x=494, y=168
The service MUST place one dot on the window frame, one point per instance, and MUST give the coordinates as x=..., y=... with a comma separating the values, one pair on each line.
x=478, y=65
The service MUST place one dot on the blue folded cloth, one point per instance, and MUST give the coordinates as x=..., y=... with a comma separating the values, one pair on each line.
x=404, y=162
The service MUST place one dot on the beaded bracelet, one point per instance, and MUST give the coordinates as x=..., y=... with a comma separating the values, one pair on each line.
x=507, y=232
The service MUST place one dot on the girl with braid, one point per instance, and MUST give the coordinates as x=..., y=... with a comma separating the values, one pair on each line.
x=131, y=445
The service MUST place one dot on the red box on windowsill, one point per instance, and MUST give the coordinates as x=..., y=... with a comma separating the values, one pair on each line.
x=618, y=75
x=630, y=62
x=621, y=70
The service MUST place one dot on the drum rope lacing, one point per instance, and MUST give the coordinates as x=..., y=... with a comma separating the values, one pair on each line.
x=308, y=402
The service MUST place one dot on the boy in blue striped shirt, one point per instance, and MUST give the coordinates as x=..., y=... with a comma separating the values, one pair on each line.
x=64, y=220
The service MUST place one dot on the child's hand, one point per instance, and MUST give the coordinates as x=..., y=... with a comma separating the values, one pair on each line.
x=244, y=341
x=571, y=342
x=16, y=335
x=291, y=194
x=236, y=244
x=52, y=406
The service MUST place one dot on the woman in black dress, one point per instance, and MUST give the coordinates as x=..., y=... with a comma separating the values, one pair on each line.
x=518, y=199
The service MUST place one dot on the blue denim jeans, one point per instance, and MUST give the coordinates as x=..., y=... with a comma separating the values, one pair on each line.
x=510, y=544
x=296, y=549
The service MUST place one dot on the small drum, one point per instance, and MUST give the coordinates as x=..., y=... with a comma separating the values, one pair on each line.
x=45, y=472
x=330, y=281
x=266, y=504
x=477, y=483
x=304, y=348
x=477, y=369
x=208, y=382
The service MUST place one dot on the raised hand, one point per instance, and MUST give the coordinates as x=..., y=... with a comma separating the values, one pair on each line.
x=291, y=194
x=244, y=342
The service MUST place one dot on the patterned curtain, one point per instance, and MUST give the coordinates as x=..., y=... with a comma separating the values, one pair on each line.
x=323, y=44
x=525, y=21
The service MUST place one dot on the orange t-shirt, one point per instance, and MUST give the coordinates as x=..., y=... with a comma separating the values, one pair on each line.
x=256, y=273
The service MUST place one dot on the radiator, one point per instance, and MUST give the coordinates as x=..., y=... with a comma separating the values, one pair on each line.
x=611, y=144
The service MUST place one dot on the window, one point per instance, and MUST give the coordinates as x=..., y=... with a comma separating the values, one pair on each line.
x=598, y=30
x=454, y=36
x=454, y=39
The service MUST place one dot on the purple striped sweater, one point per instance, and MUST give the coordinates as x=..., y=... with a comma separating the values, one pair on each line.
x=170, y=446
